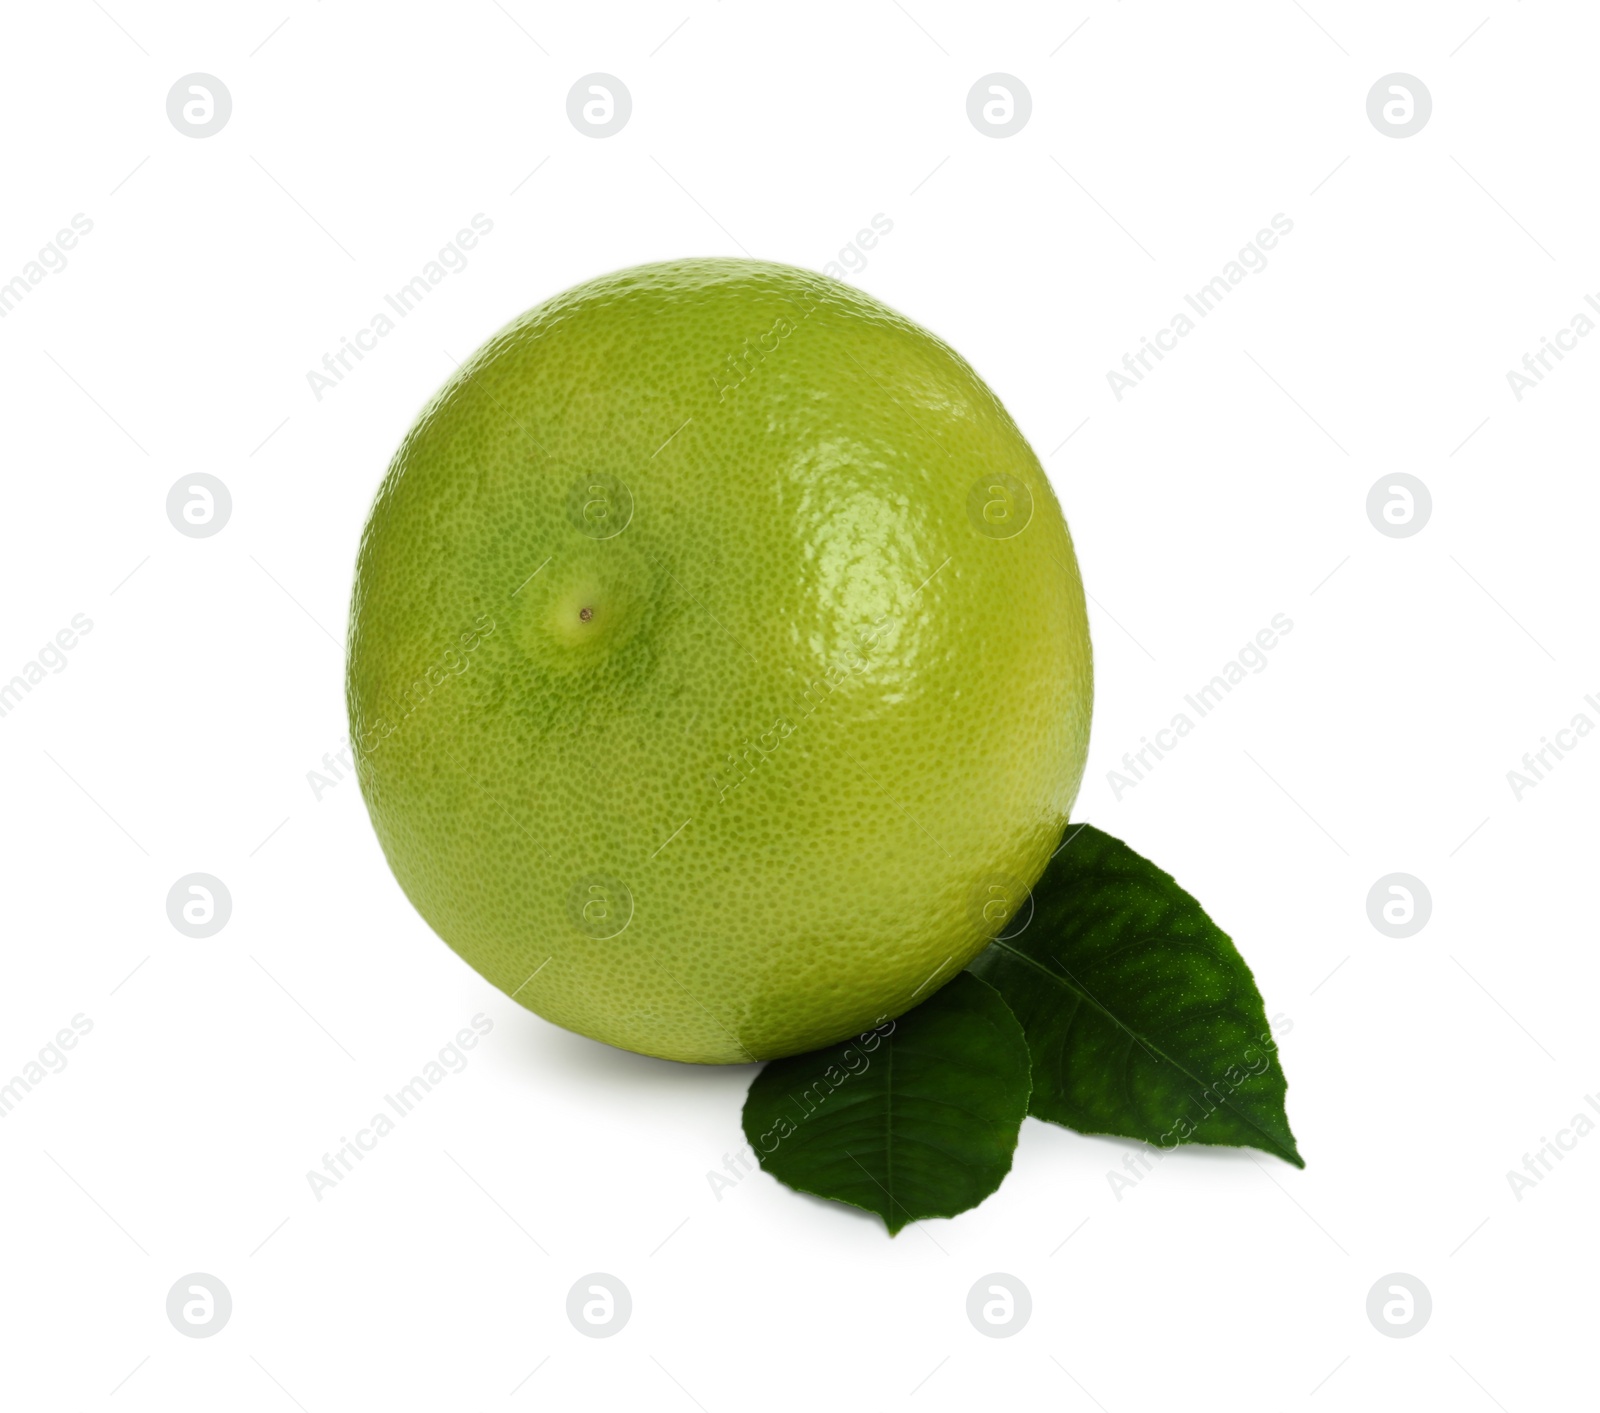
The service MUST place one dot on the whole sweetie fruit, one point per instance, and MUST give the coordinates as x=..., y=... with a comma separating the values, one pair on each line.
x=719, y=677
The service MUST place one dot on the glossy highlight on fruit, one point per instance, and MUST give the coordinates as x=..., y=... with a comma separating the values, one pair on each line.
x=719, y=676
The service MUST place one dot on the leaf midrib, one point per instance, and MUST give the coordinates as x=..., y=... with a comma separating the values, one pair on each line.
x=1067, y=984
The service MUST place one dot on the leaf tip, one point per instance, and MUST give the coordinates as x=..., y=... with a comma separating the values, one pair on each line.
x=1287, y=1149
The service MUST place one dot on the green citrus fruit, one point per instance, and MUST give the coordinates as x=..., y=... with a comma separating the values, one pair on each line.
x=719, y=676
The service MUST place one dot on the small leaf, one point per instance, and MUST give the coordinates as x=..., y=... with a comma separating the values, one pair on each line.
x=1142, y=1019
x=917, y=1118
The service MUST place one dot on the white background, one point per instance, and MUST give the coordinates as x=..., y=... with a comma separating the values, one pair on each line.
x=1226, y=488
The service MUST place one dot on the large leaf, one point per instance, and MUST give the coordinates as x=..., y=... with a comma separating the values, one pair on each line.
x=1141, y=1017
x=916, y=1119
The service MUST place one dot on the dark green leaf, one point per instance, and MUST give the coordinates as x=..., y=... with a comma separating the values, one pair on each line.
x=916, y=1119
x=1141, y=1017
